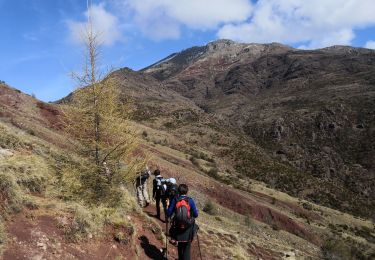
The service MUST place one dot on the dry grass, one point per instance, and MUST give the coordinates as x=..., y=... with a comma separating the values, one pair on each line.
x=37, y=167
x=3, y=235
x=30, y=172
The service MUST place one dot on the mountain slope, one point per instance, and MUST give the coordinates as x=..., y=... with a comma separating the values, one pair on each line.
x=312, y=112
x=201, y=127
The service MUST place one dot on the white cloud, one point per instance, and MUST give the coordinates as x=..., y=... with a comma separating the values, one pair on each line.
x=162, y=19
x=105, y=24
x=370, y=45
x=316, y=23
x=309, y=24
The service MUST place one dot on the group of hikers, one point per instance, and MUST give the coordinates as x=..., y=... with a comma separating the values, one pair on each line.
x=179, y=209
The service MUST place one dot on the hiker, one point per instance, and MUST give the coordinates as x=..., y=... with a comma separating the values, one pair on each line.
x=172, y=190
x=183, y=227
x=141, y=187
x=158, y=192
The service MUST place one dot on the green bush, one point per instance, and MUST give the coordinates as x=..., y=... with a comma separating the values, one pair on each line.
x=210, y=208
x=213, y=172
x=336, y=249
x=194, y=161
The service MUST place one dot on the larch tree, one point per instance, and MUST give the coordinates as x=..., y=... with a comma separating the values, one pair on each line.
x=96, y=118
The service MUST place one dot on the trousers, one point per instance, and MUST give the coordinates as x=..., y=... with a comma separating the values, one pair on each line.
x=142, y=195
x=184, y=250
x=161, y=199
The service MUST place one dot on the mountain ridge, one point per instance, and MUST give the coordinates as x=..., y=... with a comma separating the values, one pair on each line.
x=321, y=101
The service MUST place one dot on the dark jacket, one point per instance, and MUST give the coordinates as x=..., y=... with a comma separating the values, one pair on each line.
x=142, y=178
x=156, y=189
x=171, y=192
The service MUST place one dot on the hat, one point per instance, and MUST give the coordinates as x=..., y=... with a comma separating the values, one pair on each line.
x=172, y=180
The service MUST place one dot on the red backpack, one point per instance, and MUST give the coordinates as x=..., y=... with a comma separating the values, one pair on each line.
x=183, y=218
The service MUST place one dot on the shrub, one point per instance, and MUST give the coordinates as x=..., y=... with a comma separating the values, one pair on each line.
x=275, y=227
x=30, y=203
x=194, y=161
x=9, y=141
x=307, y=206
x=3, y=235
x=84, y=222
x=248, y=221
x=122, y=238
x=10, y=196
x=30, y=132
x=337, y=249
x=210, y=208
x=366, y=233
x=30, y=172
x=213, y=172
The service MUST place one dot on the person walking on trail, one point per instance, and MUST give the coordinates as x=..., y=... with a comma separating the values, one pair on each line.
x=183, y=227
x=158, y=192
x=141, y=188
x=172, y=190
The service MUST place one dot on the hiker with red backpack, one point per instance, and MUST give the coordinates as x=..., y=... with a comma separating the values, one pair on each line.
x=183, y=227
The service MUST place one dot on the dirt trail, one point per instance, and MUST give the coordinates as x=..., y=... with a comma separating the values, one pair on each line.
x=172, y=250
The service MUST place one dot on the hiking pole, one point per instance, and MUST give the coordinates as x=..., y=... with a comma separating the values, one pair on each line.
x=166, y=238
x=199, y=247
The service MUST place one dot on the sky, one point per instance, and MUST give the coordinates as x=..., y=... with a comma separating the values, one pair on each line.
x=40, y=42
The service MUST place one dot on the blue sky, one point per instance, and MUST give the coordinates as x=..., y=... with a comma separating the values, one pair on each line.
x=39, y=46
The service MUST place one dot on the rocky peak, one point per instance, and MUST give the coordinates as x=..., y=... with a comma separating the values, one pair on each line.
x=220, y=44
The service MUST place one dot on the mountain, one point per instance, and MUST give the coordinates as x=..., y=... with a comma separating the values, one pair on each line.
x=275, y=144
x=310, y=111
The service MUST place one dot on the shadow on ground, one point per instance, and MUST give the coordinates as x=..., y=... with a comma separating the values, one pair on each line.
x=151, y=250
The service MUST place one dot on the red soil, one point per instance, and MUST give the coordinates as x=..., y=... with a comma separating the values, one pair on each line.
x=51, y=114
x=248, y=205
x=38, y=237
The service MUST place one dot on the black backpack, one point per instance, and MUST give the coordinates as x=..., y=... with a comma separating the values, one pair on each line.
x=171, y=191
x=161, y=187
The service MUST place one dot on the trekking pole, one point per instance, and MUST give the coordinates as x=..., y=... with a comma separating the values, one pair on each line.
x=166, y=238
x=199, y=247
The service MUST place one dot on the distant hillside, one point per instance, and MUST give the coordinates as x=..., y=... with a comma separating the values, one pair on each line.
x=40, y=217
x=311, y=111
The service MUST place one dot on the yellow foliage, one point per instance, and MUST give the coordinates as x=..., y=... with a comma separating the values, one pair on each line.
x=96, y=119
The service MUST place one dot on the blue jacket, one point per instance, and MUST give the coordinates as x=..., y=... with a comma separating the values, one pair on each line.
x=172, y=206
